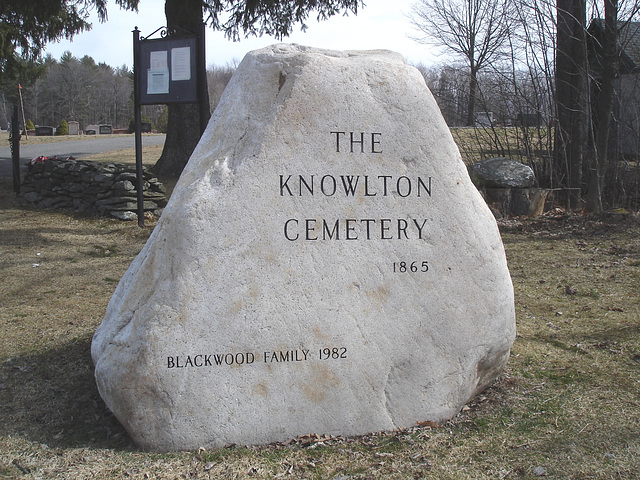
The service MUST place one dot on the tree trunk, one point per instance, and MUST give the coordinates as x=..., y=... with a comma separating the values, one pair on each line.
x=604, y=110
x=571, y=96
x=183, y=129
x=471, y=105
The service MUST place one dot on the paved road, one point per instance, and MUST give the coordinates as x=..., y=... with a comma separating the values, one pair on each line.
x=75, y=148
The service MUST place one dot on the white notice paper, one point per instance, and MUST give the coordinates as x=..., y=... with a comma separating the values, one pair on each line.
x=158, y=73
x=157, y=81
x=158, y=60
x=181, y=63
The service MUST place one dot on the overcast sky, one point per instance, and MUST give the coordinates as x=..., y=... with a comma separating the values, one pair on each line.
x=380, y=24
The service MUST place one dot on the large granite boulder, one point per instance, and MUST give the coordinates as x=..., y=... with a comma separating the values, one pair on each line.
x=502, y=172
x=324, y=265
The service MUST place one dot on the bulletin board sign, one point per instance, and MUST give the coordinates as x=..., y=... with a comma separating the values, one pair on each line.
x=167, y=71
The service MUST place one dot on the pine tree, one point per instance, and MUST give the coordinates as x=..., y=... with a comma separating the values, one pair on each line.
x=26, y=26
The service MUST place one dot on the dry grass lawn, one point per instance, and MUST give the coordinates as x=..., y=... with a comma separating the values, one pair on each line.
x=567, y=407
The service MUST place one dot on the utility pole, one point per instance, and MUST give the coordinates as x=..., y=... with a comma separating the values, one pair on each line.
x=14, y=141
x=24, y=120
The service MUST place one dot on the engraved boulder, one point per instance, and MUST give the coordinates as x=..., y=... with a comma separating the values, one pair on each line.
x=324, y=265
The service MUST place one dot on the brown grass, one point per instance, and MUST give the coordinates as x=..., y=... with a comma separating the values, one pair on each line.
x=477, y=144
x=568, y=403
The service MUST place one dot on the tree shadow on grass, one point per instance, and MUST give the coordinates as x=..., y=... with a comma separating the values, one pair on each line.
x=52, y=398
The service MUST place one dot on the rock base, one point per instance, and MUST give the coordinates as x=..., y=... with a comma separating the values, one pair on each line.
x=517, y=201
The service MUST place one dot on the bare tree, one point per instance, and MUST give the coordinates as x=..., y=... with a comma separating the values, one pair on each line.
x=557, y=78
x=476, y=30
x=571, y=94
x=80, y=90
x=587, y=70
x=217, y=79
x=603, y=108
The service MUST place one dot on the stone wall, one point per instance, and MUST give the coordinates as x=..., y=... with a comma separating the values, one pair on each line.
x=101, y=188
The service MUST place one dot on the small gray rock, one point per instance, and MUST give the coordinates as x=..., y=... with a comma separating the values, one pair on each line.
x=540, y=472
x=103, y=177
x=124, y=215
x=31, y=197
x=124, y=185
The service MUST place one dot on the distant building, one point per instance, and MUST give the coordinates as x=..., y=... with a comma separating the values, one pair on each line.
x=484, y=119
x=625, y=129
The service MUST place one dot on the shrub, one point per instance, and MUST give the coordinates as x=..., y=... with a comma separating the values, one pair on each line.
x=63, y=128
x=30, y=125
